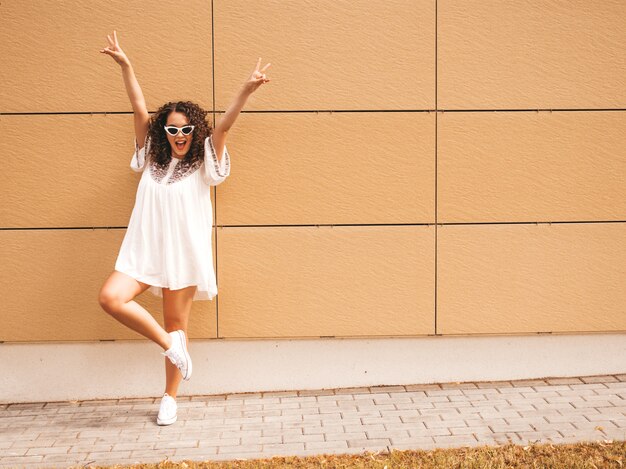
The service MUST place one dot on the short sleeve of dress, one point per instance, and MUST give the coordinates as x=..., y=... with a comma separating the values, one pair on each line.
x=214, y=171
x=138, y=161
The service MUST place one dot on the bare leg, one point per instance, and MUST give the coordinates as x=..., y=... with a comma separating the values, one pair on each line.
x=116, y=298
x=176, y=309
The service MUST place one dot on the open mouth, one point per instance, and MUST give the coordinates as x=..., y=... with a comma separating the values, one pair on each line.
x=180, y=145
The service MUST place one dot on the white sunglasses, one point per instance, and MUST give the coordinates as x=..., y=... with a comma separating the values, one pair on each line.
x=173, y=130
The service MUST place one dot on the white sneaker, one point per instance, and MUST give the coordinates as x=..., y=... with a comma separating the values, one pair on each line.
x=178, y=353
x=167, y=411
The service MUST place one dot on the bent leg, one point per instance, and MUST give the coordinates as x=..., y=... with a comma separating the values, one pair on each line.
x=176, y=309
x=116, y=298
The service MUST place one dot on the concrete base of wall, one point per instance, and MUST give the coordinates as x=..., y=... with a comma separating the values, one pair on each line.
x=58, y=371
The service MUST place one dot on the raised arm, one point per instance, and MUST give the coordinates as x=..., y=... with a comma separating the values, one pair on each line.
x=256, y=79
x=133, y=89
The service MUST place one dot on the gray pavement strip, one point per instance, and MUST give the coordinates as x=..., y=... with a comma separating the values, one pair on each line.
x=341, y=421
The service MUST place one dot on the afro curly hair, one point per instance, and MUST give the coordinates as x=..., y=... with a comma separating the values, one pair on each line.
x=160, y=148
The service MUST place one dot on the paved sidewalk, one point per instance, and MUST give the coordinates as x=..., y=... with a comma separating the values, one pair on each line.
x=299, y=423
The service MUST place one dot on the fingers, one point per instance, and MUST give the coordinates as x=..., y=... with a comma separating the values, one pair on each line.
x=111, y=43
x=259, y=75
x=258, y=64
x=115, y=36
x=110, y=52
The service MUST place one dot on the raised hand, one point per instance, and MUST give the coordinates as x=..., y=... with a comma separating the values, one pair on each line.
x=114, y=50
x=257, y=78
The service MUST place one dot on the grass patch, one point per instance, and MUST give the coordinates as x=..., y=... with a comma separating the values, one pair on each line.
x=597, y=455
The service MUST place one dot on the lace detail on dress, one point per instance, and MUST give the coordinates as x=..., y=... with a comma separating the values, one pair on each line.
x=183, y=169
x=138, y=160
x=215, y=172
x=215, y=162
x=157, y=171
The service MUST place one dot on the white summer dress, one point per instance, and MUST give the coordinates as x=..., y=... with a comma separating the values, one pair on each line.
x=168, y=240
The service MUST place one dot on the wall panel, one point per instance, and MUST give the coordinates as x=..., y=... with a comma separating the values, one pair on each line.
x=55, y=64
x=533, y=54
x=516, y=279
x=69, y=171
x=526, y=166
x=326, y=281
x=334, y=168
x=327, y=54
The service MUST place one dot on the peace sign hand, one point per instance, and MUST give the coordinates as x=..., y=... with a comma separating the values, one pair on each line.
x=114, y=50
x=257, y=78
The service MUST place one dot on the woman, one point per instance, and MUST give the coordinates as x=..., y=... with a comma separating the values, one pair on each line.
x=167, y=246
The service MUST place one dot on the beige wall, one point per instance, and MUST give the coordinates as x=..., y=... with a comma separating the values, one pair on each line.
x=393, y=217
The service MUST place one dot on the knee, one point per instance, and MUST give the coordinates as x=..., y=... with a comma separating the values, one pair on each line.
x=108, y=300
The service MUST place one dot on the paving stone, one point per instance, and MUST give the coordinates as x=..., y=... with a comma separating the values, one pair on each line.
x=485, y=430
x=194, y=454
x=26, y=405
x=487, y=392
x=325, y=445
x=495, y=384
x=373, y=435
x=297, y=438
x=369, y=444
x=595, y=386
x=446, y=423
x=353, y=390
x=449, y=441
x=341, y=436
x=593, y=404
x=391, y=388
x=72, y=458
x=134, y=445
x=155, y=453
x=16, y=452
x=177, y=444
x=89, y=448
x=239, y=449
x=429, y=432
x=37, y=451
x=618, y=386
x=511, y=428
x=385, y=420
x=27, y=443
x=452, y=404
x=316, y=392
x=412, y=442
x=599, y=379
x=21, y=460
x=616, y=434
x=220, y=442
x=465, y=385
x=98, y=455
x=365, y=428
x=564, y=381
x=282, y=449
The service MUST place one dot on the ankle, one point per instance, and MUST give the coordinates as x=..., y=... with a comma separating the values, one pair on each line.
x=168, y=342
